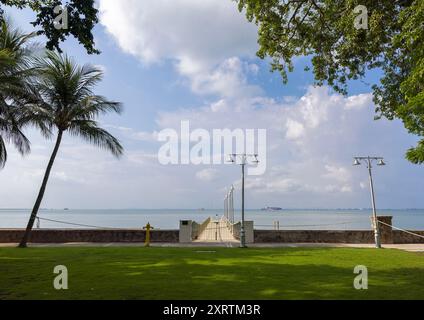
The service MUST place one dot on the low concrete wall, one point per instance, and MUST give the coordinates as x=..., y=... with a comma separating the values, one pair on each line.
x=314, y=236
x=74, y=235
x=260, y=236
x=388, y=235
x=402, y=237
x=334, y=236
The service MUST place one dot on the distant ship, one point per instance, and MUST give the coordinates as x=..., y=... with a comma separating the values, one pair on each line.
x=66, y=209
x=272, y=209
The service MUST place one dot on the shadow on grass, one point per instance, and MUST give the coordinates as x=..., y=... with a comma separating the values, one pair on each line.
x=157, y=273
x=267, y=281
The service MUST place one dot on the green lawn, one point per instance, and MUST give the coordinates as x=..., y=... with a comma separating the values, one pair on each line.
x=225, y=273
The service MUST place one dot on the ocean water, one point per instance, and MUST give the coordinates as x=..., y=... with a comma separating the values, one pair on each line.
x=342, y=219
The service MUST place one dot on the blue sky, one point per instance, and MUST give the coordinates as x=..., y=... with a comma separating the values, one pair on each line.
x=190, y=60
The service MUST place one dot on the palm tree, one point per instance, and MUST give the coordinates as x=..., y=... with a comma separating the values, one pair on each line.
x=15, y=56
x=67, y=104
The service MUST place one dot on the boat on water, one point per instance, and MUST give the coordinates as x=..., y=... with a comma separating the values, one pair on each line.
x=272, y=209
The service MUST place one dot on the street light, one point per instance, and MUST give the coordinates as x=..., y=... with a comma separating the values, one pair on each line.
x=380, y=162
x=243, y=161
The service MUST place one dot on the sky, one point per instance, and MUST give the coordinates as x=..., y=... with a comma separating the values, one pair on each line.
x=190, y=60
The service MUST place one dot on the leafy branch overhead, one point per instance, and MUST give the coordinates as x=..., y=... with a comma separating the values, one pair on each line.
x=82, y=17
x=325, y=30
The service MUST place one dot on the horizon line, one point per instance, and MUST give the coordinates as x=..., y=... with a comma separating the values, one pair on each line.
x=205, y=209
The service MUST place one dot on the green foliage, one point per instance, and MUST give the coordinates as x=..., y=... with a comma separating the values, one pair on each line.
x=48, y=92
x=14, y=70
x=325, y=30
x=410, y=41
x=82, y=17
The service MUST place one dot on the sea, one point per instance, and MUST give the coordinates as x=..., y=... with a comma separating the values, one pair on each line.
x=290, y=219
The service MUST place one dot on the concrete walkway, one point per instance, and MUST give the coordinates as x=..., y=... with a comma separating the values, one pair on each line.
x=406, y=247
x=216, y=231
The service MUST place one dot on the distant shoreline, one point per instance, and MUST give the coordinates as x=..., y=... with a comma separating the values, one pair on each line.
x=214, y=209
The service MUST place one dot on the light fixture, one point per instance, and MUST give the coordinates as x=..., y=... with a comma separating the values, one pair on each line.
x=356, y=162
x=230, y=159
x=381, y=162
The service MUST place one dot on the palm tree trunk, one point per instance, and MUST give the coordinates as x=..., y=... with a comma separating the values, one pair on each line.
x=40, y=196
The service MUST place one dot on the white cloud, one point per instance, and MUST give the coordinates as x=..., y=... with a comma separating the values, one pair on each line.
x=312, y=171
x=359, y=101
x=220, y=105
x=145, y=136
x=142, y=158
x=337, y=173
x=311, y=142
x=204, y=38
x=346, y=188
x=207, y=174
x=101, y=67
x=65, y=177
x=195, y=33
x=134, y=134
x=295, y=129
x=228, y=79
x=311, y=111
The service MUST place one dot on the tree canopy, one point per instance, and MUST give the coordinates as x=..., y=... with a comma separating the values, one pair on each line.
x=340, y=51
x=82, y=17
x=14, y=91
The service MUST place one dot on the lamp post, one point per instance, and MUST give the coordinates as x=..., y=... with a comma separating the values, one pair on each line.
x=380, y=162
x=226, y=206
x=231, y=204
x=243, y=161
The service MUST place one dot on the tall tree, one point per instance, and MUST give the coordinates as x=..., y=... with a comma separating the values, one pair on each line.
x=67, y=103
x=345, y=39
x=82, y=16
x=15, y=56
x=401, y=93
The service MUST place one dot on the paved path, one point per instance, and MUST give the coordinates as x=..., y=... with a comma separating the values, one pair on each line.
x=216, y=231
x=406, y=247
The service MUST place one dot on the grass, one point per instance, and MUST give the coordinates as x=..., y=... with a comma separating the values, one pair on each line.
x=218, y=273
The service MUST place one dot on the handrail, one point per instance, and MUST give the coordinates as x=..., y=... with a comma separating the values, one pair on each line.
x=204, y=225
x=231, y=226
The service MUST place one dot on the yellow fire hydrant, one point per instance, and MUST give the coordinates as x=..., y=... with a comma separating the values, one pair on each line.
x=148, y=227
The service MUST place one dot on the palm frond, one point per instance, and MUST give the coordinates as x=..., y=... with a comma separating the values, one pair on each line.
x=3, y=153
x=66, y=100
x=20, y=141
x=92, y=106
x=10, y=129
x=67, y=89
x=15, y=72
x=92, y=133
